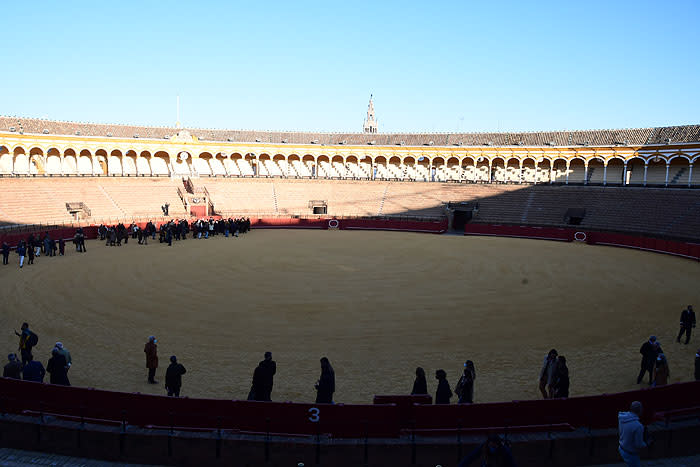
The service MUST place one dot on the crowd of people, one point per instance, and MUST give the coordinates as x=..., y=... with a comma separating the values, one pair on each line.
x=35, y=245
x=176, y=229
x=553, y=383
x=26, y=368
x=553, y=376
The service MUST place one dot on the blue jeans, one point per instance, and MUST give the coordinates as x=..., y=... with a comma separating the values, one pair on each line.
x=632, y=460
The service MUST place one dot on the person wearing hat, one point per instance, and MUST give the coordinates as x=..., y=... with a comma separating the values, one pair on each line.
x=173, y=377
x=687, y=323
x=649, y=350
x=151, y=351
x=13, y=369
x=66, y=354
x=58, y=369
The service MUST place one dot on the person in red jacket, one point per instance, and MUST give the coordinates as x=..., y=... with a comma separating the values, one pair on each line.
x=151, y=351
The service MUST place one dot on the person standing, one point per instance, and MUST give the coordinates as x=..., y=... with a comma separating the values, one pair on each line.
x=61, y=246
x=420, y=385
x=325, y=387
x=649, y=350
x=173, y=377
x=27, y=341
x=13, y=369
x=661, y=371
x=66, y=354
x=560, y=381
x=5, y=253
x=631, y=433
x=21, y=251
x=151, y=351
x=269, y=368
x=444, y=393
x=687, y=323
x=30, y=256
x=547, y=374
x=465, y=385
x=58, y=368
x=33, y=371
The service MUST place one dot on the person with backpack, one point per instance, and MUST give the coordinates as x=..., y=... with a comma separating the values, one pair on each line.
x=27, y=341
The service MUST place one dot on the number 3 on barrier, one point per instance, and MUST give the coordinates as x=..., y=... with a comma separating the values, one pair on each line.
x=314, y=414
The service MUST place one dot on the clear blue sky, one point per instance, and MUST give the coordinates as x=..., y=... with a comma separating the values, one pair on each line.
x=432, y=66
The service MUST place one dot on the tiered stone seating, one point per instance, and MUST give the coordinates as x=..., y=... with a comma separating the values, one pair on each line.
x=637, y=136
x=138, y=197
x=241, y=195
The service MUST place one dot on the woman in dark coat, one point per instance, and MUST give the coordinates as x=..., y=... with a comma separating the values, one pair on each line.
x=325, y=387
x=444, y=393
x=420, y=385
x=560, y=382
x=58, y=368
x=465, y=386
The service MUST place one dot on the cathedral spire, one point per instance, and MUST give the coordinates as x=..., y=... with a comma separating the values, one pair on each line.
x=370, y=121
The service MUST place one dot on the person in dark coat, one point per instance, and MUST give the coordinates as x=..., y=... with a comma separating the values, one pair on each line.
x=325, y=387
x=687, y=323
x=560, y=385
x=21, y=251
x=420, y=385
x=173, y=377
x=30, y=255
x=649, y=350
x=33, y=371
x=151, y=351
x=444, y=393
x=257, y=389
x=5, y=253
x=58, y=368
x=697, y=365
x=27, y=341
x=61, y=246
x=465, y=386
x=13, y=369
x=269, y=368
x=493, y=453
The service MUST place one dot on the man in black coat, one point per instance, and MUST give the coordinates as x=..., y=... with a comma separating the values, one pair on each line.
x=269, y=368
x=649, y=350
x=687, y=323
x=173, y=377
x=5, y=253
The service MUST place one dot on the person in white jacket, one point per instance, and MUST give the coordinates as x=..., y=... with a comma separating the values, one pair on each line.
x=631, y=434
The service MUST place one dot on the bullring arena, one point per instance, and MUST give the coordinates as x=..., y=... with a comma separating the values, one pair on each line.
x=346, y=260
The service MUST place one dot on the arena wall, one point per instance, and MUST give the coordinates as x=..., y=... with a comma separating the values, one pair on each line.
x=146, y=428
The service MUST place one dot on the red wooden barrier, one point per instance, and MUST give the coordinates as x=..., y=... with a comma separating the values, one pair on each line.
x=339, y=420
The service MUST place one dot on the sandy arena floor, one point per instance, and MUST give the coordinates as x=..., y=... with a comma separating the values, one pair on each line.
x=378, y=304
